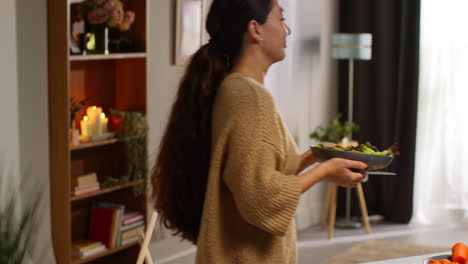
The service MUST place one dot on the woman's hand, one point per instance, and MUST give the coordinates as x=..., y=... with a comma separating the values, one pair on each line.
x=339, y=171
x=336, y=170
x=308, y=158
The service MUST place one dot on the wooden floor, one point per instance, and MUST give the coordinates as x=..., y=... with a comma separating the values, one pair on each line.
x=314, y=246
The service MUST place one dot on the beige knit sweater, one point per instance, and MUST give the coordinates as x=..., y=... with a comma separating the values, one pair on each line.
x=252, y=191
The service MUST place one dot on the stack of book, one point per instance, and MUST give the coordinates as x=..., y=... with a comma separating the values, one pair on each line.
x=111, y=226
x=132, y=225
x=105, y=222
x=86, y=248
x=85, y=184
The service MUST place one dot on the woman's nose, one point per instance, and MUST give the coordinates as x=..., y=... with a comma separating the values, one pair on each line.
x=288, y=30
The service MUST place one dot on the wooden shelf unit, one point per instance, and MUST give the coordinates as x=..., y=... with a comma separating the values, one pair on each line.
x=107, y=190
x=117, y=81
x=103, y=254
x=112, y=56
x=95, y=144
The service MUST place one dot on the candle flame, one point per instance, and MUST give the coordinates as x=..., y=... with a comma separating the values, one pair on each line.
x=85, y=118
x=103, y=115
x=94, y=107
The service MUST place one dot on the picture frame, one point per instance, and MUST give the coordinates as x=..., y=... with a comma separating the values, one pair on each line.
x=189, y=29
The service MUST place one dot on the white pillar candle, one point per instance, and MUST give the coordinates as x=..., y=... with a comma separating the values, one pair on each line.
x=104, y=122
x=97, y=126
x=94, y=115
x=85, y=129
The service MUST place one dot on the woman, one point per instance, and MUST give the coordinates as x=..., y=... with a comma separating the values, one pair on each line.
x=227, y=175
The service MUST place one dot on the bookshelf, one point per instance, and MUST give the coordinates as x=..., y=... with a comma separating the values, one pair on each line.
x=112, y=56
x=107, y=190
x=112, y=81
x=103, y=254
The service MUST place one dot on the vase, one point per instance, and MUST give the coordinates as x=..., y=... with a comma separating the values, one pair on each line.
x=74, y=135
x=96, y=38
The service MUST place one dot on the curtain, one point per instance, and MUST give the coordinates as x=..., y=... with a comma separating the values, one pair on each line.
x=385, y=99
x=441, y=186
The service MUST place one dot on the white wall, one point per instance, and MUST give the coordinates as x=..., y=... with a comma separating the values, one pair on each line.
x=317, y=75
x=163, y=82
x=23, y=107
x=9, y=138
x=31, y=25
x=304, y=84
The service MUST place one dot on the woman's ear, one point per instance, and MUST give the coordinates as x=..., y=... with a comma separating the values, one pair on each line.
x=254, y=30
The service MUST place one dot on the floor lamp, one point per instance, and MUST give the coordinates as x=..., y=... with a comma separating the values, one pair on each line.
x=351, y=47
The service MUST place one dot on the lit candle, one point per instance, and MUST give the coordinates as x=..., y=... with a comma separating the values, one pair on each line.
x=104, y=121
x=94, y=114
x=85, y=129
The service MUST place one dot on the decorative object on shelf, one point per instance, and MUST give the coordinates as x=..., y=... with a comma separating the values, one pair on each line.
x=75, y=107
x=121, y=44
x=94, y=126
x=111, y=181
x=134, y=135
x=189, y=29
x=77, y=28
x=74, y=47
x=100, y=15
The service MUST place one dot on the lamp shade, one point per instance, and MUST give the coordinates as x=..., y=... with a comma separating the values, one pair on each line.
x=352, y=46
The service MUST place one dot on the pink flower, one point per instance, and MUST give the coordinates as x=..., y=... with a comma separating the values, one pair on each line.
x=98, y=16
x=127, y=21
x=99, y=2
x=129, y=17
x=111, y=4
x=117, y=15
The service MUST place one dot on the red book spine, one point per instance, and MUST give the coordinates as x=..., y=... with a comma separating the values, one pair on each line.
x=100, y=226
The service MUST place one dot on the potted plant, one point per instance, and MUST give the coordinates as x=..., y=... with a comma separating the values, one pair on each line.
x=336, y=131
x=18, y=227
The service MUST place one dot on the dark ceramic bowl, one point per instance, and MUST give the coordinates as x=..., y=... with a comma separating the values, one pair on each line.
x=439, y=257
x=374, y=162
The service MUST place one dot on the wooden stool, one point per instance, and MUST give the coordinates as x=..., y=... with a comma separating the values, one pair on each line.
x=145, y=239
x=329, y=208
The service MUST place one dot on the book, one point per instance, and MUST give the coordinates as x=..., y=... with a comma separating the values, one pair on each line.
x=129, y=240
x=117, y=223
x=93, y=251
x=86, y=186
x=132, y=232
x=86, y=191
x=129, y=215
x=85, y=245
x=100, y=225
x=84, y=179
x=132, y=219
x=133, y=225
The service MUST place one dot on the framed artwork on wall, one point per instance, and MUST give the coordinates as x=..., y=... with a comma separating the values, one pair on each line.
x=188, y=29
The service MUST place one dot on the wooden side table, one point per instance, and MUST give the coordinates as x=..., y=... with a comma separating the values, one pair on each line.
x=329, y=209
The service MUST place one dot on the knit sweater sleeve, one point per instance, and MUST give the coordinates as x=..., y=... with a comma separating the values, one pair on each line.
x=265, y=196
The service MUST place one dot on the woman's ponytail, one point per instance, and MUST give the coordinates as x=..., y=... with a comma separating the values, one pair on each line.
x=180, y=174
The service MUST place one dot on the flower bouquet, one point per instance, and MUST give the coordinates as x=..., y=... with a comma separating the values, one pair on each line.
x=108, y=12
x=100, y=15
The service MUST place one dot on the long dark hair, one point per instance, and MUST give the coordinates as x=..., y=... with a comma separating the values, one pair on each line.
x=180, y=174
